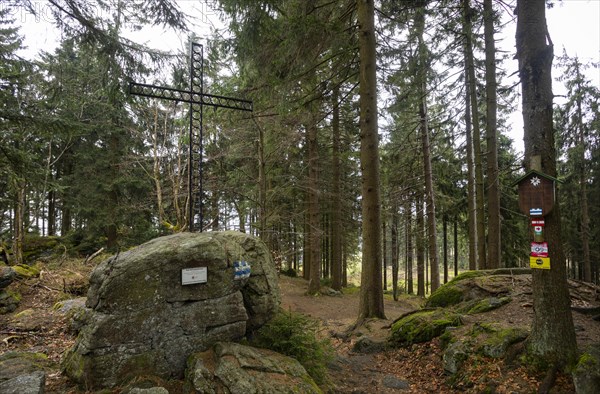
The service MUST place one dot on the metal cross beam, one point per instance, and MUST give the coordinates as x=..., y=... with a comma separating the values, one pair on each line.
x=197, y=99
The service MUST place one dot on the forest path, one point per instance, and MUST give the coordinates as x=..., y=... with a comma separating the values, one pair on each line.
x=350, y=371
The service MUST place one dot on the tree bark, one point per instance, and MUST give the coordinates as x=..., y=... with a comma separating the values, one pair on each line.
x=420, y=248
x=371, y=292
x=472, y=89
x=314, y=212
x=409, y=248
x=394, y=241
x=424, y=131
x=552, y=336
x=336, y=214
x=493, y=182
x=471, y=204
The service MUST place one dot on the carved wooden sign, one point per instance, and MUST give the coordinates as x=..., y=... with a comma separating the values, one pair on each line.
x=536, y=193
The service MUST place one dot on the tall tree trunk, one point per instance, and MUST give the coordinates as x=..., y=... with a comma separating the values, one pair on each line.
x=420, y=248
x=472, y=88
x=493, y=182
x=156, y=173
x=471, y=204
x=394, y=240
x=409, y=248
x=445, y=230
x=583, y=179
x=384, y=251
x=51, y=213
x=314, y=212
x=19, y=221
x=371, y=292
x=424, y=131
x=336, y=213
x=552, y=336
x=262, y=187
x=455, y=247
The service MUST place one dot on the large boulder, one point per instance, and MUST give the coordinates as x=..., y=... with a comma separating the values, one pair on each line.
x=143, y=318
x=234, y=368
x=22, y=373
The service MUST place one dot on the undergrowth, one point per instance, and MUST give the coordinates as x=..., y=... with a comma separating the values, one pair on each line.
x=295, y=335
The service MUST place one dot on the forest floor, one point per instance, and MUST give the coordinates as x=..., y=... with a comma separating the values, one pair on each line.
x=37, y=327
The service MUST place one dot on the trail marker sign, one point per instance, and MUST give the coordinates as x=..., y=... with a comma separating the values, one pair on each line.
x=536, y=193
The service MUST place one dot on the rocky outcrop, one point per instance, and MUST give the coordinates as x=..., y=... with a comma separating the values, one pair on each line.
x=234, y=368
x=9, y=300
x=586, y=375
x=141, y=319
x=22, y=373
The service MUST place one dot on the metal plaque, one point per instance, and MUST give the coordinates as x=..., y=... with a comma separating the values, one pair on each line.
x=191, y=276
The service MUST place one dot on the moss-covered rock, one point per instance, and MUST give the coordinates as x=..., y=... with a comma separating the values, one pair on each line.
x=500, y=339
x=7, y=275
x=9, y=301
x=36, y=248
x=231, y=367
x=446, y=295
x=422, y=326
x=142, y=318
x=586, y=375
x=24, y=271
x=488, y=304
x=454, y=356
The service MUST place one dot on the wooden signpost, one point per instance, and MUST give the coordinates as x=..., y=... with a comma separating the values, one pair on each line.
x=537, y=192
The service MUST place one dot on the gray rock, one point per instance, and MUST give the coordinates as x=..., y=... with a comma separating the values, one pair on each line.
x=7, y=275
x=392, y=382
x=22, y=373
x=231, y=367
x=454, y=355
x=9, y=301
x=152, y=390
x=141, y=320
x=31, y=383
x=366, y=345
x=586, y=375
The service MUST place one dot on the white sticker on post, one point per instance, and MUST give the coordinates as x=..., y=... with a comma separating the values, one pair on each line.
x=191, y=276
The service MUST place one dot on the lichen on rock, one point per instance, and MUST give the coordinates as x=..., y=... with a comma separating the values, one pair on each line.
x=141, y=319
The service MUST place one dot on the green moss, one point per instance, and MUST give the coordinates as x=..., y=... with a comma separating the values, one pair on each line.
x=25, y=271
x=73, y=365
x=488, y=304
x=500, y=340
x=444, y=296
x=296, y=336
x=467, y=275
x=422, y=326
x=587, y=362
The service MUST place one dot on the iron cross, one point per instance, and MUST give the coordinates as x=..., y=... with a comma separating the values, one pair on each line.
x=197, y=99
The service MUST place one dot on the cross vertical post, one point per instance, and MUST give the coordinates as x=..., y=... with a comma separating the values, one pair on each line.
x=197, y=99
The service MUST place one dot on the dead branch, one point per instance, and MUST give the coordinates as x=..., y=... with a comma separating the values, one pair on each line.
x=93, y=256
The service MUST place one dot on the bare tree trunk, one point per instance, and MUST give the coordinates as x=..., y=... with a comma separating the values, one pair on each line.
x=493, y=182
x=420, y=248
x=394, y=240
x=156, y=167
x=19, y=221
x=471, y=205
x=371, y=292
x=445, y=231
x=424, y=131
x=585, y=213
x=314, y=212
x=336, y=236
x=472, y=86
x=409, y=248
x=552, y=336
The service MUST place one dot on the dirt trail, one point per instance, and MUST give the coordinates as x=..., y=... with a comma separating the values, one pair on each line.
x=351, y=372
